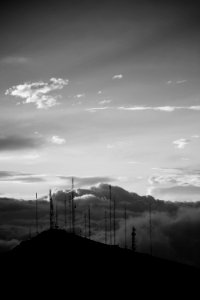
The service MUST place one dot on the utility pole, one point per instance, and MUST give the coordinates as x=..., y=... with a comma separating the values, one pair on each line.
x=110, y=213
x=36, y=213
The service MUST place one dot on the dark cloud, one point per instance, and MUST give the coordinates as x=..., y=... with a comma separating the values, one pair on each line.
x=175, y=226
x=12, y=143
x=20, y=177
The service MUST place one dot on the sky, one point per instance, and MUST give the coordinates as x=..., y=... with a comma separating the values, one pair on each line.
x=104, y=91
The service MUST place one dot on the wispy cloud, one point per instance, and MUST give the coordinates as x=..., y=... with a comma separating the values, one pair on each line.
x=15, y=60
x=12, y=176
x=117, y=76
x=104, y=101
x=94, y=109
x=181, y=143
x=144, y=108
x=38, y=92
x=58, y=140
x=176, y=82
x=78, y=96
x=160, y=108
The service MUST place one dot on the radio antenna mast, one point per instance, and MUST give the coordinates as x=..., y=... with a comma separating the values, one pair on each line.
x=36, y=213
x=110, y=213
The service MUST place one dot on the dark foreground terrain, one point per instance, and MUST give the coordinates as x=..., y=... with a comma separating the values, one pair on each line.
x=56, y=261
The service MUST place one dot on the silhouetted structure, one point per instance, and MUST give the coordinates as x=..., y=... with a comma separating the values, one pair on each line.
x=133, y=235
x=150, y=227
x=73, y=207
x=105, y=227
x=89, y=225
x=125, y=229
x=36, y=214
x=110, y=213
x=114, y=231
x=51, y=211
x=65, y=203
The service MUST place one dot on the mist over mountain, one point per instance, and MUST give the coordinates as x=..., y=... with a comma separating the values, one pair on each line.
x=175, y=225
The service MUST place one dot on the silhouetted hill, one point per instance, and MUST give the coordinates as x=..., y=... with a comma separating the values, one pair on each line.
x=59, y=257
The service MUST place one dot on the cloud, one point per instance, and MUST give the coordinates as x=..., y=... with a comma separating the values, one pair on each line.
x=15, y=60
x=78, y=96
x=88, y=181
x=104, y=101
x=11, y=176
x=176, y=82
x=16, y=142
x=118, y=76
x=95, y=109
x=195, y=136
x=38, y=92
x=181, y=143
x=58, y=140
x=160, y=108
x=145, y=108
x=175, y=226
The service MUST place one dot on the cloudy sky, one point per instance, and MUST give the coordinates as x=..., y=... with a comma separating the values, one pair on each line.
x=105, y=91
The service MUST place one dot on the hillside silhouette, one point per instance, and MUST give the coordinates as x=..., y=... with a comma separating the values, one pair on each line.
x=60, y=257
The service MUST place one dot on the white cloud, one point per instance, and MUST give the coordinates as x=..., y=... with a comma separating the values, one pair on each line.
x=195, y=136
x=160, y=108
x=99, y=92
x=181, y=81
x=94, y=109
x=78, y=96
x=117, y=76
x=38, y=92
x=14, y=60
x=181, y=143
x=58, y=140
x=104, y=101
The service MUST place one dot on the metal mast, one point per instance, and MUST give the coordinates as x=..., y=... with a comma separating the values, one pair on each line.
x=51, y=211
x=36, y=213
x=110, y=213
x=114, y=231
x=125, y=229
x=89, y=225
x=73, y=207
x=65, y=211
x=85, y=224
x=105, y=227
x=150, y=227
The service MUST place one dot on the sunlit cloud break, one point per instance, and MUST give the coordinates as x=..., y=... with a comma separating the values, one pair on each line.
x=58, y=140
x=38, y=92
x=118, y=76
x=181, y=143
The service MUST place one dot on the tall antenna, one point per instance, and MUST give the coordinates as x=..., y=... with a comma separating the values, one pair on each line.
x=70, y=214
x=56, y=221
x=125, y=229
x=110, y=213
x=105, y=227
x=73, y=207
x=89, y=225
x=85, y=224
x=150, y=227
x=133, y=239
x=36, y=213
x=51, y=211
x=114, y=231
x=65, y=211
